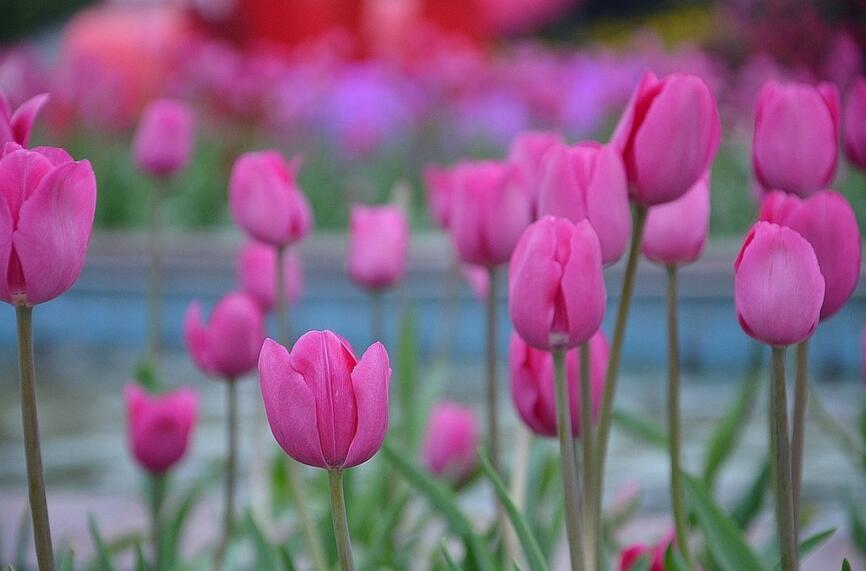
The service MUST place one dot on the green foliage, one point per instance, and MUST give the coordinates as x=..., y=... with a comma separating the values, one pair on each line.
x=749, y=504
x=102, y=554
x=640, y=427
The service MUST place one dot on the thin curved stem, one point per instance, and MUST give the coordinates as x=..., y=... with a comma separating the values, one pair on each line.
x=592, y=547
x=340, y=521
x=492, y=416
x=798, y=431
x=157, y=495
x=154, y=291
x=377, y=317
x=782, y=472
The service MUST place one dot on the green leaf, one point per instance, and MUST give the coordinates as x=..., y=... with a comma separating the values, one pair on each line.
x=749, y=505
x=406, y=365
x=640, y=427
x=265, y=557
x=858, y=527
x=145, y=375
x=286, y=558
x=534, y=557
x=723, y=538
x=140, y=560
x=642, y=564
x=449, y=561
x=67, y=562
x=103, y=557
x=384, y=531
x=807, y=546
x=171, y=534
x=845, y=565
x=674, y=561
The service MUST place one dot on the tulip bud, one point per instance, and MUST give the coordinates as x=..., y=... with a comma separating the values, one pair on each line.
x=667, y=136
x=326, y=408
x=532, y=383
x=265, y=200
x=588, y=181
x=15, y=126
x=556, y=292
x=526, y=153
x=676, y=232
x=164, y=138
x=855, y=123
x=378, y=245
x=827, y=221
x=778, y=286
x=228, y=345
x=256, y=270
x=159, y=427
x=439, y=183
x=451, y=442
x=795, y=146
x=488, y=213
x=45, y=222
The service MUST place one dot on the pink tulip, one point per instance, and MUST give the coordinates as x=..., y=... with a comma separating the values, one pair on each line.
x=795, y=147
x=439, y=183
x=827, y=221
x=265, y=200
x=676, y=232
x=667, y=136
x=632, y=554
x=855, y=123
x=478, y=278
x=164, y=138
x=489, y=211
x=532, y=383
x=15, y=126
x=451, y=442
x=778, y=287
x=256, y=271
x=526, y=153
x=588, y=181
x=326, y=408
x=556, y=292
x=228, y=345
x=159, y=427
x=46, y=218
x=378, y=245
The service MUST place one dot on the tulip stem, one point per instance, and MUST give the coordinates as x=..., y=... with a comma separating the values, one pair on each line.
x=674, y=429
x=606, y=415
x=157, y=495
x=798, y=431
x=782, y=460
x=377, y=317
x=340, y=521
x=590, y=503
x=33, y=454
x=154, y=308
x=231, y=467
x=492, y=400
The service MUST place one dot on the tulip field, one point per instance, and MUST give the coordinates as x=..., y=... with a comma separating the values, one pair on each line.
x=508, y=189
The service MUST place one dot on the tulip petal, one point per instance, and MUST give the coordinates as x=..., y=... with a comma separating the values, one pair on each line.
x=24, y=117
x=623, y=132
x=371, y=379
x=561, y=194
x=195, y=337
x=607, y=204
x=21, y=171
x=582, y=278
x=6, y=228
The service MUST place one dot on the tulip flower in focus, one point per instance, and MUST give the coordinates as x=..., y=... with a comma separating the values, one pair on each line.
x=15, y=125
x=668, y=136
x=326, y=408
x=556, y=293
x=256, y=274
x=796, y=142
x=676, y=232
x=159, y=426
x=164, y=138
x=378, y=245
x=854, y=123
x=451, y=442
x=526, y=153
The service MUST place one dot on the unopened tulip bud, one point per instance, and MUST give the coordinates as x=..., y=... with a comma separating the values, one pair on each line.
x=165, y=137
x=451, y=442
x=676, y=231
x=159, y=427
x=256, y=271
x=378, y=246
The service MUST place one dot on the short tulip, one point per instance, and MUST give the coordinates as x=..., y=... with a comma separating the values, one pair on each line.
x=256, y=274
x=778, y=286
x=854, y=122
x=326, y=408
x=164, y=138
x=795, y=147
x=556, y=292
x=228, y=345
x=527, y=153
x=451, y=442
x=667, y=136
x=378, y=246
x=15, y=126
x=676, y=232
x=159, y=427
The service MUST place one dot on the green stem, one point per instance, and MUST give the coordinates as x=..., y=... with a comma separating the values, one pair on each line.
x=33, y=454
x=590, y=503
x=340, y=521
x=377, y=317
x=782, y=472
x=568, y=463
x=154, y=305
x=798, y=430
x=492, y=416
x=157, y=496
x=231, y=468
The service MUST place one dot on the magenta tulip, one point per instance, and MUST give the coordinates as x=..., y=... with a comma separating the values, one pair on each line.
x=526, y=153
x=795, y=147
x=676, y=232
x=378, y=245
x=778, y=286
x=827, y=221
x=588, y=181
x=265, y=199
x=489, y=211
x=667, y=136
x=159, y=427
x=46, y=219
x=532, y=383
x=854, y=123
x=451, y=442
x=228, y=345
x=256, y=272
x=164, y=138
x=325, y=407
x=439, y=183
x=15, y=126
x=556, y=292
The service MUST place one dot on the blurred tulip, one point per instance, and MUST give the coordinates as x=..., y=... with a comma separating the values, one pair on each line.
x=675, y=232
x=15, y=126
x=478, y=278
x=827, y=221
x=588, y=181
x=326, y=408
x=228, y=345
x=854, y=123
x=439, y=183
x=45, y=222
x=796, y=142
x=532, y=383
x=256, y=271
x=521, y=16
x=526, y=153
x=632, y=554
x=556, y=292
x=265, y=200
x=489, y=211
x=451, y=442
x=778, y=286
x=378, y=245
x=667, y=136
x=159, y=427
x=164, y=138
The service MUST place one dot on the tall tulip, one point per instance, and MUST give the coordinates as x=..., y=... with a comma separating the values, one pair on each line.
x=527, y=153
x=257, y=270
x=450, y=444
x=854, y=123
x=15, y=126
